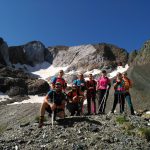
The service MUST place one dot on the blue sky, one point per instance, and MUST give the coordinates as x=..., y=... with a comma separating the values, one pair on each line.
x=125, y=23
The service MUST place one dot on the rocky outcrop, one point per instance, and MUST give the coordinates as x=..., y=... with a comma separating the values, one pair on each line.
x=88, y=57
x=16, y=82
x=132, y=56
x=139, y=72
x=4, y=56
x=143, y=55
x=37, y=86
x=31, y=53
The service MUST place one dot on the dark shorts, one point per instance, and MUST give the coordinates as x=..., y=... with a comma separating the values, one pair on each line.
x=57, y=110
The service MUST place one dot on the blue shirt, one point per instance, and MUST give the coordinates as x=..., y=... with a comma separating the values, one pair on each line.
x=81, y=84
x=56, y=98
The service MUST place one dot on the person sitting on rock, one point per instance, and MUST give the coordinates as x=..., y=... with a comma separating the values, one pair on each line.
x=59, y=79
x=54, y=101
x=119, y=87
x=75, y=101
x=91, y=94
x=128, y=85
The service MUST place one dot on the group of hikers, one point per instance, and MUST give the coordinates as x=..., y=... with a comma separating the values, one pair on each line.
x=58, y=99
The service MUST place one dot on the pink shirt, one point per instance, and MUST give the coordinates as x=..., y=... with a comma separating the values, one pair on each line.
x=102, y=83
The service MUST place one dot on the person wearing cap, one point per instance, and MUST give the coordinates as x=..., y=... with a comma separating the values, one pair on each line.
x=128, y=85
x=80, y=82
x=119, y=87
x=91, y=94
x=59, y=79
x=54, y=101
x=103, y=87
x=75, y=101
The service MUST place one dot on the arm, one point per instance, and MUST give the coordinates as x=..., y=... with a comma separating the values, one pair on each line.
x=51, y=104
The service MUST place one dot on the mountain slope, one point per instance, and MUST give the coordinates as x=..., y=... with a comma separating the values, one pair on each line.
x=140, y=75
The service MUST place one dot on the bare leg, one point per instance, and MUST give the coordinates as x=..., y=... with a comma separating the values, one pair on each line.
x=43, y=107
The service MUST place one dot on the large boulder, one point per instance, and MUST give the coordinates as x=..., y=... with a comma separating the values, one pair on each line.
x=16, y=82
x=37, y=87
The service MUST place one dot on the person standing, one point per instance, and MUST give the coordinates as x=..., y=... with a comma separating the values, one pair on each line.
x=119, y=97
x=128, y=85
x=80, y=82
x=59, y=79
x=103, y=87
x=91, y=94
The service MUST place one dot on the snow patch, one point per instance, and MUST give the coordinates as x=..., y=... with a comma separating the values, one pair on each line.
x=119, y=69
x=43, y=70
x=33, y=99
x=4, y=97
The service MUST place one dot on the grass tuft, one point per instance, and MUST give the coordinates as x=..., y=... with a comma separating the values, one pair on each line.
x=144, y=132
x=121, y=119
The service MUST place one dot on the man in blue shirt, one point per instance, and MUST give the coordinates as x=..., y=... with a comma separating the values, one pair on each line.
x=54, y=101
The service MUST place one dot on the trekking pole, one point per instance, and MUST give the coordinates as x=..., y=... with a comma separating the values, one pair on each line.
x=104, y=100
x=52, y=119
x=53, y=113
x=120, y=100
x=125, y=104
x=104, y=97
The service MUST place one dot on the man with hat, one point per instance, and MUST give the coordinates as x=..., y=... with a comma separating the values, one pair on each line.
x=54, y=101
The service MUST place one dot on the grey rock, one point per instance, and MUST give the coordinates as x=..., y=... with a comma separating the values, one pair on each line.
x=4, y=54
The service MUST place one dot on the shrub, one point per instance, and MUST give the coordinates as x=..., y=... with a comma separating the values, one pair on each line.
x=121, y=119
x=144, y=132
x=37, y=118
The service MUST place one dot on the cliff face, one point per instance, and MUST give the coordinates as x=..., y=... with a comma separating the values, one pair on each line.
x=88, y=57
x=4, y=55
x=78, y=58
x=139, y=72
x=142, y=56
x=31, y=53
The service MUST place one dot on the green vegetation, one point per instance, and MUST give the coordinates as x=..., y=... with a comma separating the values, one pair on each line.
x=127, y=126
x=145, y=133
x=37, y=118
x=121, y=119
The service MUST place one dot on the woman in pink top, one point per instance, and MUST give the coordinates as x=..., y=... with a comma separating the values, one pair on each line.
x=103, y=86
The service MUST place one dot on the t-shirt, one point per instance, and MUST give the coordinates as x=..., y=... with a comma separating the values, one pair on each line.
x=60, y=80
x=91, y=83
x=102, y=83
x=55, y=97
x=72, y=93
x=81, y=84
x=119, y=88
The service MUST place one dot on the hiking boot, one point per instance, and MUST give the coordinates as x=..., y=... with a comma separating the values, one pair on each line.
x=133, y=113
x=41, y=122
x=112, y=112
